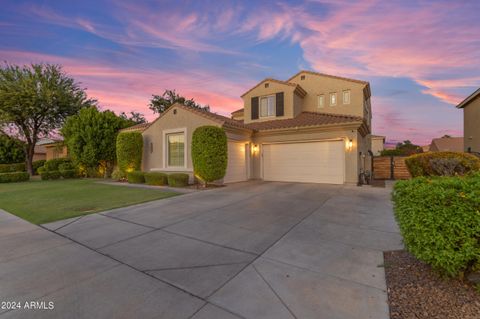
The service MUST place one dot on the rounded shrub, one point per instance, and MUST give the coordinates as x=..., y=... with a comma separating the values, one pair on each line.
x=209, y=153
x=156, y=178
x=68, y=173
x=9, y=168
x=36, y=165
x=178, y=180
x=14, y=177
x=54, y=164
x=129, y=151
x=442, y=164
x=136, y=177
x=440, y=221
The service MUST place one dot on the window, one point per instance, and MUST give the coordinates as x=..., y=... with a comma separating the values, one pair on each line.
x=333, y=99
x=320, y=101
x=346, y=97
x=302, y=77
x=151, y=147
x=267, y=85
x=176, y=150
x=267, y=106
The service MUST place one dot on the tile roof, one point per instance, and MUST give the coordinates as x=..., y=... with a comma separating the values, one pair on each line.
x=452, y=144
x=238, y=111
x=139, y=127
x=298, y=88
x=304, y=119
x=328, y=75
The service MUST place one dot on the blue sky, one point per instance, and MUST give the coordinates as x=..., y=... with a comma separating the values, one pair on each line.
x=421, y=57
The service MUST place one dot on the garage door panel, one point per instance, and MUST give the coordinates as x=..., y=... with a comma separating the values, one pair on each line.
x=313, y=162
x=237, y=164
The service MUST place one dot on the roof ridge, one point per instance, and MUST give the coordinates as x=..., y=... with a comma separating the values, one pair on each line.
x=328, y=75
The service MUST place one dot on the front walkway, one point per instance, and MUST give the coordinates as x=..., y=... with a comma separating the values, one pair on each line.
x=249, y=250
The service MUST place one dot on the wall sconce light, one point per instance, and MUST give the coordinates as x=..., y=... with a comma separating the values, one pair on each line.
x=350, y=144
x=255, y=148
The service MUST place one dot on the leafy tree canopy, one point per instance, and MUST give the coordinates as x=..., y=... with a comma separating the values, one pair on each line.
x=134, y=117
x=91, y=137
x=35, y=100
x=403, y=149
x=161, y=103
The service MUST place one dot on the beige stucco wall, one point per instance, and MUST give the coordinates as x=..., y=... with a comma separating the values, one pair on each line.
x=55, y=151
x=261, y=90
x=377, y=145
x=471, y=121
x=316, y=85
x=183, y=119
x=351, y=156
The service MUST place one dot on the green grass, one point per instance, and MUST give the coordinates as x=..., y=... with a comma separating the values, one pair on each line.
x=46, y=201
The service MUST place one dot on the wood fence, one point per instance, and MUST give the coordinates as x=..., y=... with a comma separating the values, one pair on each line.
x=390, y=167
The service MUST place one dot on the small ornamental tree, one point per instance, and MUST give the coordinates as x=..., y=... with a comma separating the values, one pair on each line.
x=11, y=150
x=209, y=153
x=129, y=152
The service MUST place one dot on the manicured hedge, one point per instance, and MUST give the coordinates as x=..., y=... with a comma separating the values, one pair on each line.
x=136, y=177
x=129, y=151
x=156, y=178
x=14, y=177
x=9, y=168
x=68, y=173
x=442, y=164
x=54, y=164
x=439, y=219
x=178, y=180
x=209, y=153
x=36, y=165
x=47, y=175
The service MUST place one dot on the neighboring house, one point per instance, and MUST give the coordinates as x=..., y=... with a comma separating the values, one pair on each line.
x=378, y=144
x=40, y=152
x=311, y=128
x=55, y=149
x=471, y=120
x=425, y=148
x=447, y=144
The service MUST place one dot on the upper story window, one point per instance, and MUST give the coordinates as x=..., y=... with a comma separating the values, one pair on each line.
x=302, y=77
x=333, y=99
x=267, y=106
x=320, y=101
x=346, y=97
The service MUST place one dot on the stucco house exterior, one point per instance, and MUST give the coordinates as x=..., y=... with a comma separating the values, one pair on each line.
x=471, y=119
x=447, y=144
x=378, y=144
x=310, y=128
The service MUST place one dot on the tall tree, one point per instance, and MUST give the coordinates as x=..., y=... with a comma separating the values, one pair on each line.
x=36, y=100
x=91, y=137
x=134, y=117
x=161, y=103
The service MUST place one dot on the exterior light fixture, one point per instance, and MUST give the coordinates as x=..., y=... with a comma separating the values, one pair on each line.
x=255, y=148
x=350, y=144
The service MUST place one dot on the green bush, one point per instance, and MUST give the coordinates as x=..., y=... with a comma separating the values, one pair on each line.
x=36, y=165
x=442, y=164
x=439, y=219
x=178, y=180
x=54, y=164
x=156, y=178
x=209, y=153
x=117, y=175
x=136, y=177
x=11, y=150
x=14, y=177
x=47, y=175
x=129, y=151
x=10, y=168
x=68, y=173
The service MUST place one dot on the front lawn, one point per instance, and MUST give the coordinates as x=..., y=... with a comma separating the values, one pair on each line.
x=46, y=201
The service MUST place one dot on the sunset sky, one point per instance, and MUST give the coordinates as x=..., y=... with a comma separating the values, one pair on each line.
x=420, y=57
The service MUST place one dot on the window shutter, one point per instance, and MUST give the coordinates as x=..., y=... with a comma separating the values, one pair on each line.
x=279, y=104
x=254, y=108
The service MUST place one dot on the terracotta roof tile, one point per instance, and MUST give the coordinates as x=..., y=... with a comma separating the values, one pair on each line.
x=452, y=144
x=305, y=119
x=139, y=127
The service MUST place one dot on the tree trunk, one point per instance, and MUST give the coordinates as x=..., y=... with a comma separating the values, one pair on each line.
x=30, y=153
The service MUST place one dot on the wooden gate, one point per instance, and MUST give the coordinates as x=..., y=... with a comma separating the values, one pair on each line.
x=390, y=167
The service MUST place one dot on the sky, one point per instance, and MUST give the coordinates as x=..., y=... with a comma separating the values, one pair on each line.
x=420, y=57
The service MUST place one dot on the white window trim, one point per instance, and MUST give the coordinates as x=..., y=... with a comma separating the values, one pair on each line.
x=318, y=101
x=349, y=97
x=165, y=133
x=330, y=99
x=260, y=106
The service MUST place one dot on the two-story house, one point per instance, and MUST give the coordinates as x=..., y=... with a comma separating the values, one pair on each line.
x=310, y=128
x=471, y=120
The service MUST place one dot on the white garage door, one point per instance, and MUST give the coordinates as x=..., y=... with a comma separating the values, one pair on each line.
x=312, y=162
x=237, y=164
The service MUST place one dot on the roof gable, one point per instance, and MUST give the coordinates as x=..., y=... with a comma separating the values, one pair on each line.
x=297, y=88
x=327, y=75
x=469, y=99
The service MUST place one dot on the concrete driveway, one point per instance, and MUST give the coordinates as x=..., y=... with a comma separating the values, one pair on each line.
x=249, y=250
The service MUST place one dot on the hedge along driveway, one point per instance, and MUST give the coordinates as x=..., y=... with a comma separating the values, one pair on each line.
x=47, y=201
